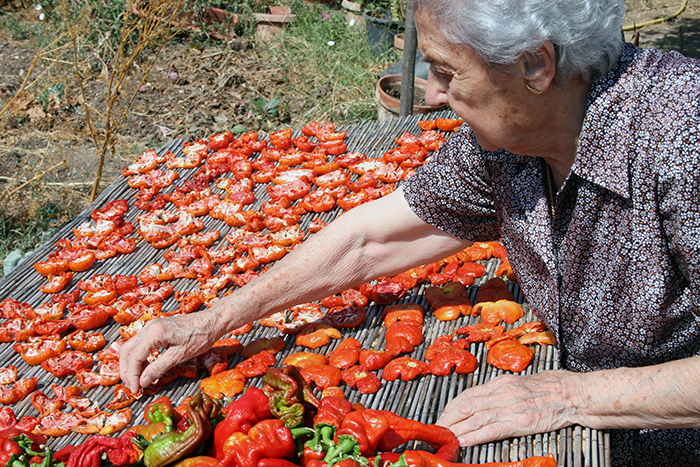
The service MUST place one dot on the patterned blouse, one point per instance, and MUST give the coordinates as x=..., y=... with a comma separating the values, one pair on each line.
x=610, y=262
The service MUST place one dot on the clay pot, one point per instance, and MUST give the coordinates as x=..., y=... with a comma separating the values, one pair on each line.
x=388, y=107
x=270, y=26
x=398, y=41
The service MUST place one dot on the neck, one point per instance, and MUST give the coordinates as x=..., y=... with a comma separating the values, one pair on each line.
x=556, y=138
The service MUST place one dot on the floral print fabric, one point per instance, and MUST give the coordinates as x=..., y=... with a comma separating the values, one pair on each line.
x=611, y=262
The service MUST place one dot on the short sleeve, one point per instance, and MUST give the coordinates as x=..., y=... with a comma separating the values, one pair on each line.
x=453, y=191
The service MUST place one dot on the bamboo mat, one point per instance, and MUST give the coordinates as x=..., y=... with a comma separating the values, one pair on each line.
x=422, y=399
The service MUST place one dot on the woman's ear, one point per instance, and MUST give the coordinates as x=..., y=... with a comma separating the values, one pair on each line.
x=538, y=68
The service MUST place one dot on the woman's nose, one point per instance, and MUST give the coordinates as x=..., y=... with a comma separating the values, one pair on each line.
x=435, y=91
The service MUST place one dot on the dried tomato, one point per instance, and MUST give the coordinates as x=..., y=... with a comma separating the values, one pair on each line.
x=462, y=361
x=349, y=316
x=89, y=317
x=303, y=359
x=315, y=335
x=405, y=367
x=51, y=267
x=57, y=423
x=386, y=292
x=104, y=423
x=21, y=389
x=17, y=329
x=9, y=375
x=80, y=340
x=225, y=384
x=397, y=313
x=408, y=329
x=44, y=404
x=346, y=354
x=58, y=282
x=363, y=380
x=256, y=365
x=451, y=308
x=542, y=338
x=39, y=349
x=67, y=363
x=220, y=140
x=509, y=354
x=480, y=332
x=493, y=312
x=375, y=359
x=324, y=376
x=448, y=124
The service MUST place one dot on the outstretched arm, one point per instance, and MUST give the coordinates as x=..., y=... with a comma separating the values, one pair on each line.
x=376, y=239
x=659, y=396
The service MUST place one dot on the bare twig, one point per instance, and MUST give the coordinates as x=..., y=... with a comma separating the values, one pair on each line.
x=35, y=178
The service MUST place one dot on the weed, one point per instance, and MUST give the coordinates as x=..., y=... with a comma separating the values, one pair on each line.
x=329, y=71
x=266, y=110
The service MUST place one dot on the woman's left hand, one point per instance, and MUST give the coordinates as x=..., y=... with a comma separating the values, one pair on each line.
x=510, y=406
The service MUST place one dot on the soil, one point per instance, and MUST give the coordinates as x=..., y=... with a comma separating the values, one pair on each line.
x=192, y=91
x=394, y=90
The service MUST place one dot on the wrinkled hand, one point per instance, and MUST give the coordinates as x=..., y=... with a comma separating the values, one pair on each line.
x=510, y=406
x=184, y=337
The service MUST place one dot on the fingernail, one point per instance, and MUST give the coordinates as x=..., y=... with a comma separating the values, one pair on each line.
x=146, y=381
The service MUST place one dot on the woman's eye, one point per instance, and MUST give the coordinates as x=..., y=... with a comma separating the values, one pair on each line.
x=441, y=76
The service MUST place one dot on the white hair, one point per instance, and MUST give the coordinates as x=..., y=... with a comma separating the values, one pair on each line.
x=587, y=34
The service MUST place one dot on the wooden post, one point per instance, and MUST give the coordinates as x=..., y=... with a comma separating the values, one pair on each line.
x=409, y=63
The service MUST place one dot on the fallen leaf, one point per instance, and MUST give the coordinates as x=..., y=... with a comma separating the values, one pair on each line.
x=36, y=114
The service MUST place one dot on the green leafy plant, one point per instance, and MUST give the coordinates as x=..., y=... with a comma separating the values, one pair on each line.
x=264, y=109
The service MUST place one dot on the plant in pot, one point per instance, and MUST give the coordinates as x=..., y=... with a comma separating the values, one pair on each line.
x=383, y=20
x=389, y=97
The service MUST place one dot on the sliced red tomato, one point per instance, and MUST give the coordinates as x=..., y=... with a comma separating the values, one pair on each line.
x=39, y=349
x=67, y=363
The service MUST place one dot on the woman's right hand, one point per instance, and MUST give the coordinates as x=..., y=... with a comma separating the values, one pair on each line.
x=182, y=337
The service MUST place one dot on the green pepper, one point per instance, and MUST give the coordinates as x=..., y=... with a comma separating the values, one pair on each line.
x=330, y=415
x=292, y=396
x=169, y=447
x=162, y=410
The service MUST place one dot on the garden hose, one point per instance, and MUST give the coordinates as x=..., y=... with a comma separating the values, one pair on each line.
x=634, y=27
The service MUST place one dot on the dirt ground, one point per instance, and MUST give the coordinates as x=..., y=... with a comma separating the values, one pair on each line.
x=191, y=92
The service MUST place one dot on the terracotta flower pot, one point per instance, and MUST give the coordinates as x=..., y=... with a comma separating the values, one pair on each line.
x=399, y=40
x=271, y=26
x=388, y=106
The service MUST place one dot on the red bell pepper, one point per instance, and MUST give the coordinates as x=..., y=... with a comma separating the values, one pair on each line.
x=367, y=427
x=240, y=416
x=120, y=451
x=426, y=459
x=329, y=418
x=267, y=439
x=401, y=430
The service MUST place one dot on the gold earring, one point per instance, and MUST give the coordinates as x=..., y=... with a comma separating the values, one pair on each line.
x=532, y=90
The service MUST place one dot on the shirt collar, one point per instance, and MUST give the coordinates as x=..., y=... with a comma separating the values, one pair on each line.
x=607, y=136
x=603, y=151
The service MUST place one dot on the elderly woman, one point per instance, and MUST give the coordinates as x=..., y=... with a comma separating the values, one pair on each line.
x=583, y=154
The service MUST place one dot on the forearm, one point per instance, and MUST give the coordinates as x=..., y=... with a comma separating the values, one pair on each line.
x=659, y=396
x=376, y=239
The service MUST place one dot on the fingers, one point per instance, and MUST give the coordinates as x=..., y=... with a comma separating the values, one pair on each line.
x=182, y=337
